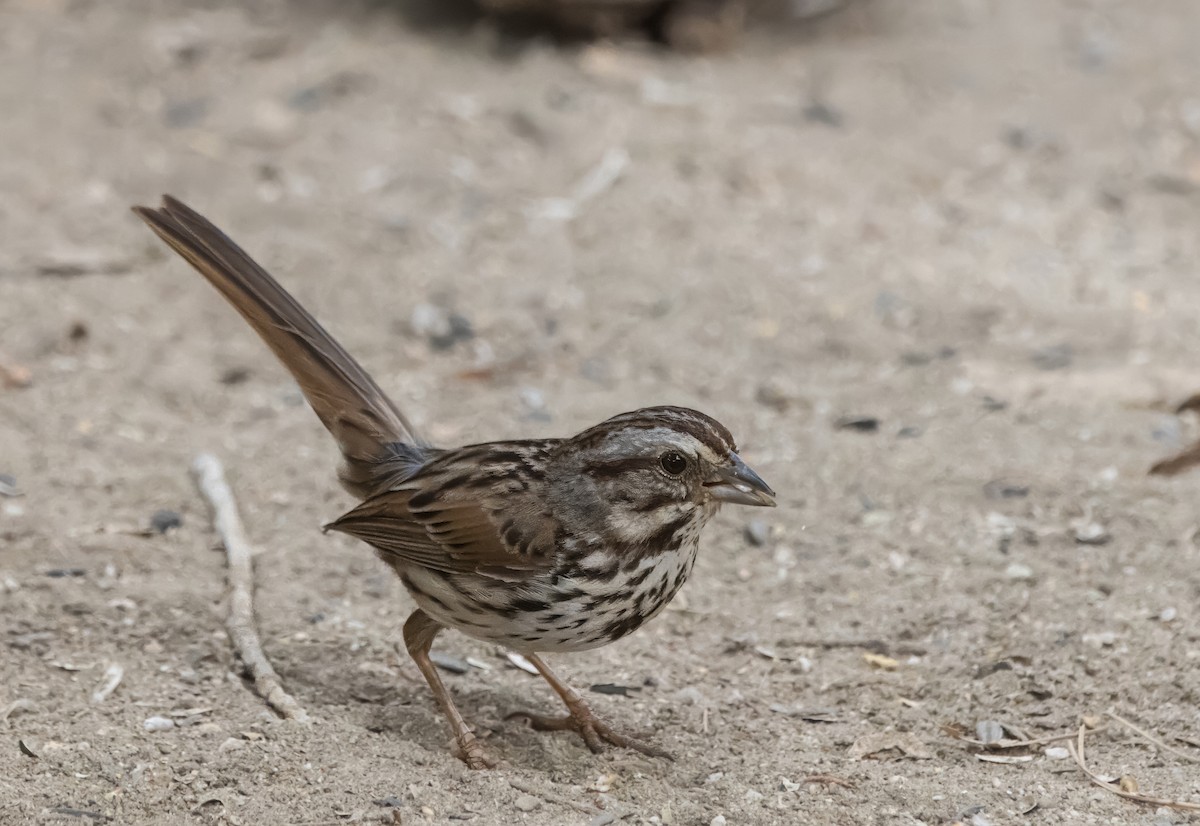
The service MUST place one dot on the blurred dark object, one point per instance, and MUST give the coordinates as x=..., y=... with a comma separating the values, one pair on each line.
x=860, y=424
x=164, y=520
x=1174, y=465
x=1187, y=458
x=684, y=25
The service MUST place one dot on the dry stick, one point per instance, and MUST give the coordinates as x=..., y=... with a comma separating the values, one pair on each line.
x=210, y=479
x=1077, y=751
x=828, y=780
x=1003, y=745
x=1164, y=746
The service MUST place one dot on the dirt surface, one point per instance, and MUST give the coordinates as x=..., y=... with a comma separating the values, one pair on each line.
x=972, y=227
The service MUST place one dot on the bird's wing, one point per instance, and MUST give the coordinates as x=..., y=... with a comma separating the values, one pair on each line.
x=474, y=510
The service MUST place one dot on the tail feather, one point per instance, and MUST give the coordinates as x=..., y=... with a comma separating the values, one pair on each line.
x=378, y=443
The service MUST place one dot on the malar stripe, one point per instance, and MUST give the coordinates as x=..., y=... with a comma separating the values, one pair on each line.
x=668, y=537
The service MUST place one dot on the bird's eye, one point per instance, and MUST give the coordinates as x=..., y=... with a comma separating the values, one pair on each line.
x=673, y=463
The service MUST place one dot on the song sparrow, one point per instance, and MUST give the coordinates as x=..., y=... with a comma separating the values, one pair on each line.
x=538, y=545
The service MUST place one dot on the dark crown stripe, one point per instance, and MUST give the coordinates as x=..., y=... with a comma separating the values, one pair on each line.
x=704, y=429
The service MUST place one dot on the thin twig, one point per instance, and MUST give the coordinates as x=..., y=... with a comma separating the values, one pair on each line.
x=1002, y=745
x=210, y=479
x=828, y=780
x=1077, y=751
x=1164, y=746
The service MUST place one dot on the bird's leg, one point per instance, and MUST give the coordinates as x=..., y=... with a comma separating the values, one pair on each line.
x=581, y=719
x=419, y=633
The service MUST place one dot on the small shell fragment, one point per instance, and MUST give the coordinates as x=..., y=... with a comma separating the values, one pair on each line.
x=520, y=662
x=158, y=723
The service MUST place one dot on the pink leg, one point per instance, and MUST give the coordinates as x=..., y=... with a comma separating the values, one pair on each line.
x=581, y=719
x=419, y=633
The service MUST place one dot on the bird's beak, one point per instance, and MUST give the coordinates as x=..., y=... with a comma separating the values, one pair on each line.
x=737, y=484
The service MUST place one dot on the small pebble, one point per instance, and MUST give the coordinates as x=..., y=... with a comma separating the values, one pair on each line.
x=859, y=424
x=997, y=489
x=757, y=532
x=1101, y=639
x=1167, y=614
x=532, y=398
x=441, y=328
x=428, y=320
x=158, y=723
x=460, y=329
x=1093, y=533
x=63, y=573
x=1054, y=357
x=164, y=520
x=8, y=485
x=527, y=803
x=719, y=820
x=773, y=395
x=1057, y=753
x=1164, y=817
x=1018, y=571
x=613, y=689
x=235, y=375
x=448, y=662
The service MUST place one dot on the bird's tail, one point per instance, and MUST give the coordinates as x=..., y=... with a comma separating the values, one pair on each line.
x=377, y=442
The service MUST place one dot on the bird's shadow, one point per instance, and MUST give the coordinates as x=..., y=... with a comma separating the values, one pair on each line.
x=445, y=19
x=400, y=705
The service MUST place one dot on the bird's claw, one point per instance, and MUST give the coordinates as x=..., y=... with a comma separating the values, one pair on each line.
x=471, y=753
x=594, y=731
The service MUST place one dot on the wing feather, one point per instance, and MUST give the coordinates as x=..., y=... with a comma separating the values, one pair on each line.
x=435, y=521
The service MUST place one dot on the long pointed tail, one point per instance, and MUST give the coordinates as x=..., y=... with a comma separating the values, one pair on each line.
x=377, y=442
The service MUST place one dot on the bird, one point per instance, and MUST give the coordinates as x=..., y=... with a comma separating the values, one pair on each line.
x=539, y=545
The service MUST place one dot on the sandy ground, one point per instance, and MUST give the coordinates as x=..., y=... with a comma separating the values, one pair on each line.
x=974, y=224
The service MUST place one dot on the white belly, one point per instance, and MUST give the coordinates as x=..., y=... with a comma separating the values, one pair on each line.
x=553, y=613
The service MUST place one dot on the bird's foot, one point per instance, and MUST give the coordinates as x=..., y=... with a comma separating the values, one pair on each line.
x=468, y=750
x=594, y=731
